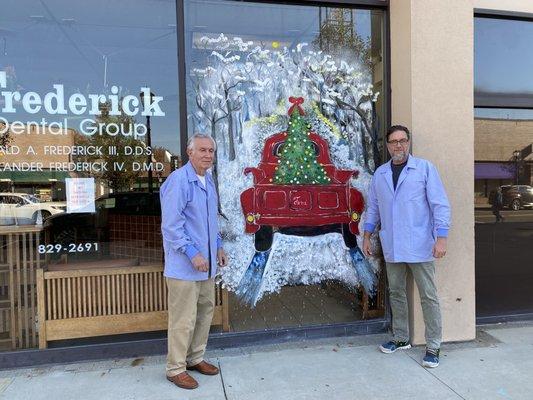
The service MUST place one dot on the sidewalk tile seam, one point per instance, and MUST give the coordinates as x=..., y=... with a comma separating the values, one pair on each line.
x=428, y=371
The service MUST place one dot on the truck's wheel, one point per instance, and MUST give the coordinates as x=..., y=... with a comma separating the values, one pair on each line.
x=349, y=238
x=263, y=238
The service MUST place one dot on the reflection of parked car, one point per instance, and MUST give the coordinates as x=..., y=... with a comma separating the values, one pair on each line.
x=23, y=209
x=516, y=197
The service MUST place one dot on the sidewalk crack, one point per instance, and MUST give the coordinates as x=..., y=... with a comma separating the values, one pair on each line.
x=222, y=379
x=435, y=376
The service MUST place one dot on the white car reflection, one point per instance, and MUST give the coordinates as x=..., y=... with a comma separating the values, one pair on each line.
x=25, y=209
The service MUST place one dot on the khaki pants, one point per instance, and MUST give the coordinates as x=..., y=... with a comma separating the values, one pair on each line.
x=190, y=311
x=424, y=276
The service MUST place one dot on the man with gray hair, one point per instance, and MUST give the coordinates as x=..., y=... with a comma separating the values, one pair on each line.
x=193, y=248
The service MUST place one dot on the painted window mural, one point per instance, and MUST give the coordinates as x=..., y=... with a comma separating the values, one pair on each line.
x=293, y=96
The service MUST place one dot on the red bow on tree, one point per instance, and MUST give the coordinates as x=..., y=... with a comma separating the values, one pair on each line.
x=296, y=101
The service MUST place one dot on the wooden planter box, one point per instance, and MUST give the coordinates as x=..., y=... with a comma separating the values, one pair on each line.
x=106, y=298
x=19, y=261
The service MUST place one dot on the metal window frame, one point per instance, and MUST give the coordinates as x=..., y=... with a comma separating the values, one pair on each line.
x=331, y=3
x=155, y=343
x=501, y=14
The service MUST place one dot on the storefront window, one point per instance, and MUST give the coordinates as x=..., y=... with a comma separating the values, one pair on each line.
x=89, y=128
x=504, y=211
x=503, y=167
x=294, y=259
x=503, y=129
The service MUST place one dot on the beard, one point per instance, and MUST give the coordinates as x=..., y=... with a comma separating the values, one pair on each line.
x=399, y=157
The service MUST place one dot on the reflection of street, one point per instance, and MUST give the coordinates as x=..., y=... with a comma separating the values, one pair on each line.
x=504, y=263
x=486, y=216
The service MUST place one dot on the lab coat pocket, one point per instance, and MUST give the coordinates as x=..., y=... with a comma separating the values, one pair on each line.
x=422, y=242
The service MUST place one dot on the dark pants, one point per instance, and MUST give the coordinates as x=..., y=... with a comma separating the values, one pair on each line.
x=496, y=212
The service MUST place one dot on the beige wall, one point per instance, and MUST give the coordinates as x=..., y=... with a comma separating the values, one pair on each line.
x=432, y=93
x=521, y=6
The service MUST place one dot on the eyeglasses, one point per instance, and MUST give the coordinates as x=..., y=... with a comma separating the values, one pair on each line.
x=403, y=142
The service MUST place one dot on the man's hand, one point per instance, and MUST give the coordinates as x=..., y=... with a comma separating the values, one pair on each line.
x=367, y=246
x=439, y=250
x=222, y=258
x=200, y=263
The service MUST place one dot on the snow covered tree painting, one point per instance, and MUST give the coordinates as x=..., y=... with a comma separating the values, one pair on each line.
x=241, y=98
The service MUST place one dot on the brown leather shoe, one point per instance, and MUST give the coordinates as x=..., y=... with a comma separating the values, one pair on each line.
x=183, y=380
x=204, y=368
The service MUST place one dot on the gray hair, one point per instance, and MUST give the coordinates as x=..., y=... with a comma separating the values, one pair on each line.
x=190, y=142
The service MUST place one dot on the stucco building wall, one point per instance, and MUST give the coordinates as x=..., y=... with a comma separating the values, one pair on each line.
x=432, y=93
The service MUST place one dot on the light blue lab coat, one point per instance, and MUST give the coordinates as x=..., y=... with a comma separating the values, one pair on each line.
x=413, y=215
x=189, y=224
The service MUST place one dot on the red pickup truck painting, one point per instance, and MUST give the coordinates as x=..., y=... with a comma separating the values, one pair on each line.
x=289, y=205
x=298, y=191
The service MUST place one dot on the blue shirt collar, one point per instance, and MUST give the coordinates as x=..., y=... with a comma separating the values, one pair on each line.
x=191, y=172
x=192, y=175
x=411, y=162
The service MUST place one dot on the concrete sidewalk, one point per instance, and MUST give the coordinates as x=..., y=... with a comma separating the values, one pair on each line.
x=497, y=365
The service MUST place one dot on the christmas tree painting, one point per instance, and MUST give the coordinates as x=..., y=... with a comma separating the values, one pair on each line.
x=297, y=162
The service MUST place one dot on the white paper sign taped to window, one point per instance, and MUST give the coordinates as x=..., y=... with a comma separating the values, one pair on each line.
x=80, y=195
